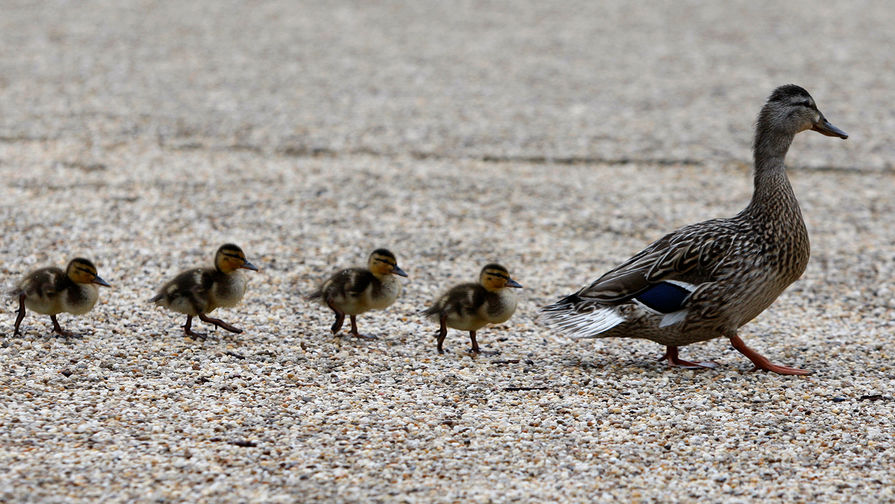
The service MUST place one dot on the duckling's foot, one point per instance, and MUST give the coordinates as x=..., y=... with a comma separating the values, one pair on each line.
x=195, y=335
x=762, y=362
x=354, y=331
x=189, y=332
x=220, y=323
x=475, y=346
x=673, y=360
x=59, y=330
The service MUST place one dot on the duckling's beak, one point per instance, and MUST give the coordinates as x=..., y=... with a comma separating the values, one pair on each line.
x=824, y=127
x=99, y=281
x=398, y=271
x=513, y=283
x=249, y=266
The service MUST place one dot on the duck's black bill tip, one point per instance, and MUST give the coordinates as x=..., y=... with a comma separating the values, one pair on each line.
x=825, y=128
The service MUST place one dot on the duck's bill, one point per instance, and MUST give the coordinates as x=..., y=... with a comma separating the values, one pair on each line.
x=825, y=128
x=99, y=281
x=513, y=283
x=398, y=271
x=249, y=266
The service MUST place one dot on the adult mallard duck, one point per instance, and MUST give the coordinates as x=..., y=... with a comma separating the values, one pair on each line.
x=471, y=306
x=51, y=291
x=707, y=280
x=354, y=291
x=199, y=291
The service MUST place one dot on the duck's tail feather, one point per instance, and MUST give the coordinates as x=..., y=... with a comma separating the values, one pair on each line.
x=580, y=318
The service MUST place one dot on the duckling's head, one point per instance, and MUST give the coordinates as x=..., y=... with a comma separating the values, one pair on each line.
x=382, y=262
x=230, y=258
x=82, y=271
x=495, y=277
x=790, y=110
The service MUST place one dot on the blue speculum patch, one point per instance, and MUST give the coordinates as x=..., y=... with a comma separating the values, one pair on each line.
x=664, y=297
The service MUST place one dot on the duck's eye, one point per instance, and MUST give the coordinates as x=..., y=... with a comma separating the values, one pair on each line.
x=804, y=103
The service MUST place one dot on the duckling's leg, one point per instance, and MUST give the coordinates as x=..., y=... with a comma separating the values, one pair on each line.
x=354, y=329
x=220, y=323
x=442, y=333
x=340, y=317
x=475, y=344
x=20, y=314
x=58, y=329
x=189, y=332
x=337, y=325
x=674, y=360
x=762, y=362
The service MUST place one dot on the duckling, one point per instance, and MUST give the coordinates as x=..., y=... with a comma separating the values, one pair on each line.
x=707, y=280
x=51, y=291
x=354, y=291
x=198, y=291
x=471, y=306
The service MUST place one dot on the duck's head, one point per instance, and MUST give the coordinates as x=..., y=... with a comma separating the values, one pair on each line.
x=82, y=271
x=382, y=262
x=790, y=110
x=230, y=258
x=495, y=277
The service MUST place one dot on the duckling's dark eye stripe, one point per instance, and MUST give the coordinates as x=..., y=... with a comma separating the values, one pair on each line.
x=85, y=270
x=384, y=261
x=234, y=256
x=499, y=275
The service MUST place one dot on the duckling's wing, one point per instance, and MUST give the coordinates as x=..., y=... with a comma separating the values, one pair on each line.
x=191, y=286
x=345, y=283
x=43, y=283
x=464, y=299
x=358, y=280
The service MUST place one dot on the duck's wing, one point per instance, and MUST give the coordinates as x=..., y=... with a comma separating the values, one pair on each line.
x=662, y=278
x=690, y=255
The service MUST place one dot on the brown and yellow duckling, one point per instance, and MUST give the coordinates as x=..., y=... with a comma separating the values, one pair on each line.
x=354, y=291
x=199, y=291
x=471, y=306
x=51, y=291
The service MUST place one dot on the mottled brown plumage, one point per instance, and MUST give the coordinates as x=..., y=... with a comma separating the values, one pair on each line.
x=51, y=291
x=471, y=306
x=706, y=280
x=199, y=291
x=354, y=291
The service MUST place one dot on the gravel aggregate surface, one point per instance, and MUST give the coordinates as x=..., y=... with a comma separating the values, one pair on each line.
x=556, y=139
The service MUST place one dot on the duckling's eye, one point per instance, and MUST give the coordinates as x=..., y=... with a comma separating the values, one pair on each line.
x=804, y=103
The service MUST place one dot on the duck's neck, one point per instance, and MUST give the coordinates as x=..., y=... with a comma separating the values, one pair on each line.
x=772, y=193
